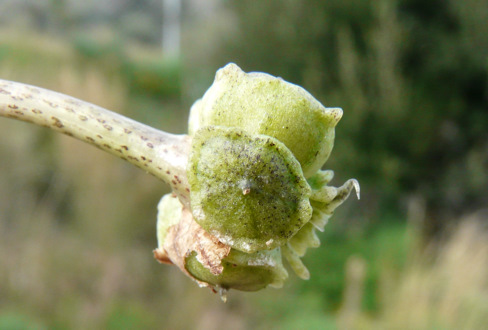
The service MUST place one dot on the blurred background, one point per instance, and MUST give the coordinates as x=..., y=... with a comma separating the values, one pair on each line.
x=77, y=226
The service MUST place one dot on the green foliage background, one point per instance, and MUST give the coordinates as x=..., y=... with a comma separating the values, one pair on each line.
x=77, y=226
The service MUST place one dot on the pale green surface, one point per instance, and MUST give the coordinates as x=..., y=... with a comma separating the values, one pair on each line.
x=169, y=214
x=243, y=271
x=324, y=200
x=247, y=190
x=262, y=104
x=304, y=239
x=295, y=262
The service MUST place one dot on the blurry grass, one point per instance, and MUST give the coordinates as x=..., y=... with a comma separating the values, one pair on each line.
x=444, y=290
x=77, y=230
x=444, y=287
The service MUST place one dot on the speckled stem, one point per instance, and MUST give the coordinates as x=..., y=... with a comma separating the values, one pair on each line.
x=162, y=154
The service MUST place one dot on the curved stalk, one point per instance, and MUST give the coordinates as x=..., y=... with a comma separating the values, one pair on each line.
x=162, y=154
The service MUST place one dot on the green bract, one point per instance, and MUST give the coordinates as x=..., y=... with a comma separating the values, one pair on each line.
x=243, y=271
x=262, y=104
x=247, y=190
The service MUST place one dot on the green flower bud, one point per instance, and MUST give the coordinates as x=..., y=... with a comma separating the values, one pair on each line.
x=262, y=104
x=256, y=192
x=247, y=190
x=212, y=264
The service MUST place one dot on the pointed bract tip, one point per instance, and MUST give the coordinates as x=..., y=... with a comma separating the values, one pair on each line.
x=355, y=183
x=228, y=70
x=335, y=114
x=222, y=293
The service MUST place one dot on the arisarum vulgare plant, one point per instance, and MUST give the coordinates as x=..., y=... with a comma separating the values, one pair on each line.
x=246, y=180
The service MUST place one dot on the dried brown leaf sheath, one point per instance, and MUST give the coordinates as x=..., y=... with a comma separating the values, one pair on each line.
x=186, y=237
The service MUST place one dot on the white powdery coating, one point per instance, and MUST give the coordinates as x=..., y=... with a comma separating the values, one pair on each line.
x=264, y=259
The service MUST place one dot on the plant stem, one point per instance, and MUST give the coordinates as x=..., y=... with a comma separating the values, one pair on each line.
x=162, y=154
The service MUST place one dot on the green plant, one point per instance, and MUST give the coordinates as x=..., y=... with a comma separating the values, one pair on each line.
x=246, y=180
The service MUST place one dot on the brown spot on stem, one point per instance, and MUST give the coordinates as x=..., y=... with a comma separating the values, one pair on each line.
x=13, y=106
x=57, y=123
x=108, y=127
x=52, y=105
x=150, y=145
